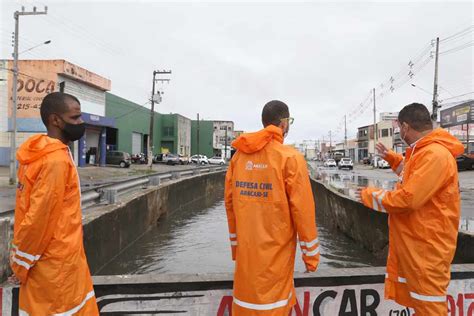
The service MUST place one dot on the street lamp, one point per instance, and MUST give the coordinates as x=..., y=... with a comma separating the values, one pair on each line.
x=413, y=85
x=31, y=48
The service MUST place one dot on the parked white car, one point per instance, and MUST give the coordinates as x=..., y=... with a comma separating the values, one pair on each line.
x=200, y=159
x=216, y=160
x=346, y=163
x=330, y=163
x=382, y=164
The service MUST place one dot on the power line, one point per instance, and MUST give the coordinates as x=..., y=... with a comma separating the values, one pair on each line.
x=459, y=34
x=457, y=96
x=456, y=49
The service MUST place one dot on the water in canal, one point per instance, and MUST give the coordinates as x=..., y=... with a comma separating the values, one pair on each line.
x=196, y=241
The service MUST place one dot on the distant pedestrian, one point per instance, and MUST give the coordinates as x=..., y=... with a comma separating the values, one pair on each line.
x=269, y=202
x=48, y=256
x=424, y=212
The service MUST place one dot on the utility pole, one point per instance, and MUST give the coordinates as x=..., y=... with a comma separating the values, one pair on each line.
x=198, y=150
x=468, y=140
x=155, y=97
x=434, y=115
x=16, y=16
x=345, y=134
x=225, y=143
x=330, y=144
x=375, y=122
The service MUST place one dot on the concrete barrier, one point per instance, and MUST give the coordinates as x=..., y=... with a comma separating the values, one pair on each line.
x=367, y=227
x=110, y=229
x=349, y=292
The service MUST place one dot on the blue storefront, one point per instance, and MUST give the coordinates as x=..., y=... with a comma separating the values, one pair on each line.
x=92, y=146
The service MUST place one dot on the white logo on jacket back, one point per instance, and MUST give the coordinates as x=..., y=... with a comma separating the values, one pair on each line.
x=252, y=166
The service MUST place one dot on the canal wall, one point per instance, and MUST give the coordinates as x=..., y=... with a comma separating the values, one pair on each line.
x=367, y=227
x=109, y=230
x=355, y=291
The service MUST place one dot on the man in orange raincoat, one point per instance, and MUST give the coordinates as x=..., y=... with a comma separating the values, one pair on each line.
x=269, y=202
x=424, y=211
x=48, y=256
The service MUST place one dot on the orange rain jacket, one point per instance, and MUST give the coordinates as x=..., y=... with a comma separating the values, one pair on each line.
x=424, y=212
x=48, y=252
x=268, y=201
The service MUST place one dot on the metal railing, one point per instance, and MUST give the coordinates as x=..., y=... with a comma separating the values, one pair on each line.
x=109, y=193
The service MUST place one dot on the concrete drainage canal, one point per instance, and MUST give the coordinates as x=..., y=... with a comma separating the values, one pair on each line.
x=165, y=250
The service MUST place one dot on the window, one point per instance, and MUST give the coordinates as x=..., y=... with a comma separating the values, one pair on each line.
x=385, y=132
x=391, y=131
x=223, y=127
x=168, y=131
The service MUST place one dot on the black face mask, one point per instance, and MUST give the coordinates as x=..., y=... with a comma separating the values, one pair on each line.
x=73, y=132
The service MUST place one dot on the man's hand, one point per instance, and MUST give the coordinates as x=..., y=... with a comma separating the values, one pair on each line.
x=13, y=280
x=381, y=150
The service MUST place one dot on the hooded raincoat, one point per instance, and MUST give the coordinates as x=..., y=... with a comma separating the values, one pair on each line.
x=424, y=212
x=269, y=202
x=48, y=252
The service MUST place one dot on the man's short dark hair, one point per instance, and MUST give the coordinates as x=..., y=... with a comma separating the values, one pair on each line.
x=55, y=102
x=273, y=112
x=417, y=116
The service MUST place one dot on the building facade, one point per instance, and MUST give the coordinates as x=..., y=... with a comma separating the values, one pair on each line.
x=202, y=135
x=176, y=134
x=132, y=126
x=37, y=78
x=222, y=138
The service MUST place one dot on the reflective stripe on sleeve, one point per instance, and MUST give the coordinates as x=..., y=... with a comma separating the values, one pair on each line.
x=232, y=235
x=428, y=298
x=379, y=199
x=233, y=243
x=27, y=255
x=311, y=253
x=21, y=263
x=262, y=307
x=375, y=206
x=78, y=307
x=310, y=243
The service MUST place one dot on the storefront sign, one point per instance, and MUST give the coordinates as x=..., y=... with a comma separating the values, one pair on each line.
x=35, y=80
x=457, y=115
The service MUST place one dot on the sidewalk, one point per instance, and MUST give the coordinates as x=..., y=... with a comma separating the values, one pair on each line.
x=89, y=176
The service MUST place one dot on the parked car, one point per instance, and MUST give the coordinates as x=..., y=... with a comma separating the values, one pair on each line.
x=366, y=160
x=158, y=158
x=200, y=159
x=382, y=164
x=120, y=158
x=171, y=159
x=330, y=163
x=216, y=160
x=183, y=160
x=465, y=162
x=346, y=163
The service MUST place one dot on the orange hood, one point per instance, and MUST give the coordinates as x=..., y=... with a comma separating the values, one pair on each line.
x=36, y=147
x=444, y=138
x=253, y=142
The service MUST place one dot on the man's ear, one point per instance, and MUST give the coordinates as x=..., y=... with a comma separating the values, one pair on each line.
x=54, y=120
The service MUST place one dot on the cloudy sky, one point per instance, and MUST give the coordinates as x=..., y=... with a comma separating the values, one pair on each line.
x=229, y=58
